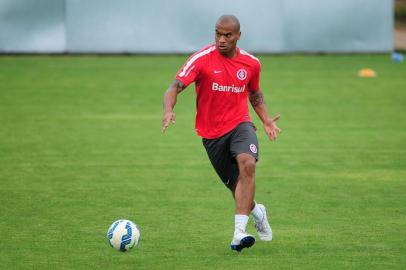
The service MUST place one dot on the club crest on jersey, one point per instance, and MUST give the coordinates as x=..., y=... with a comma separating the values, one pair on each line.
x=241, y=74
x=253, y=148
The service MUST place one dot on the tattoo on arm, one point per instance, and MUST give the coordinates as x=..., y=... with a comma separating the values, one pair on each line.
x=256, y=98
x=179, y=85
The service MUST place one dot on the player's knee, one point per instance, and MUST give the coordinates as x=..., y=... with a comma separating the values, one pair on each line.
x=247, y=165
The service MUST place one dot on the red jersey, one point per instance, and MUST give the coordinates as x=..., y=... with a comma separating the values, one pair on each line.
x=222, y=86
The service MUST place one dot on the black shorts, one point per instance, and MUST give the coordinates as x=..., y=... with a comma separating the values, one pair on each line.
x=223, y=150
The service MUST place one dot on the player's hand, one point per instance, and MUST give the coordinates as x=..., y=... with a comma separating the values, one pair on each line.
x=168, y=118
x=271, y=128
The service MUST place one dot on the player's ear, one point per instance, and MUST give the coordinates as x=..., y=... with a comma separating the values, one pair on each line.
x=239, y=35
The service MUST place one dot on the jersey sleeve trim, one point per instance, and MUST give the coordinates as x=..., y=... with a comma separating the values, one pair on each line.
x=250, y=55
x=186, y=68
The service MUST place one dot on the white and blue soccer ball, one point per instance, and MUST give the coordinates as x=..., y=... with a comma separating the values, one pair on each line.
x=123, y=235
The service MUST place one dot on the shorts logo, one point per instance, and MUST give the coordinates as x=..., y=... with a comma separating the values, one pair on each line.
x=241, y=74
x=253, y=148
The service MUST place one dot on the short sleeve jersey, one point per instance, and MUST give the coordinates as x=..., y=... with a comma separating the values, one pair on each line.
x=222, y=86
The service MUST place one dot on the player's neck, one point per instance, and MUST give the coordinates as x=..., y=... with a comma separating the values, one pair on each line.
x=230, y=54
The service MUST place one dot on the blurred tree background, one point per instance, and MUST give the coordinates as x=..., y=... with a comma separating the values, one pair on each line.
x=400, y=11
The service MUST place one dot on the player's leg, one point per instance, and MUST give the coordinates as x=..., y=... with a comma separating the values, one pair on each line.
x=258, y=212
x=244, y=201
x=245, y=150
x=218, y=151
x=245, y=188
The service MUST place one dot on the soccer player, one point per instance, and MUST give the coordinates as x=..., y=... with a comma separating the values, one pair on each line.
x=225, y=76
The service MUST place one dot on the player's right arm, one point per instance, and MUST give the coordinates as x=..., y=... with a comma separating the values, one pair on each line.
x=184, y=77
x=170, y=97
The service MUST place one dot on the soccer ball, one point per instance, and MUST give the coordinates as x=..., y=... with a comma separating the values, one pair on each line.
x=123, y=235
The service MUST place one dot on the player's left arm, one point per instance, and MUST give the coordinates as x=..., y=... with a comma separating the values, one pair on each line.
x=257, y=101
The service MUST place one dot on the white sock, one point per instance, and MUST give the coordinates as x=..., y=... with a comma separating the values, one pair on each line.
x=257, y=213
x=240, y=223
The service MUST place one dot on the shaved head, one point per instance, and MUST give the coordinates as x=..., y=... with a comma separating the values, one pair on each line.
x=229, y=19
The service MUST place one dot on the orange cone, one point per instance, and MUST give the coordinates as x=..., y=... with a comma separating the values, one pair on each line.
x=366, y=73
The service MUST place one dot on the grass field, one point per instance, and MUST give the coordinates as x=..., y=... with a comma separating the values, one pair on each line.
x=80, y=146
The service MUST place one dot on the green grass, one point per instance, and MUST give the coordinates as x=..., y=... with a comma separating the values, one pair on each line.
x=80, y=146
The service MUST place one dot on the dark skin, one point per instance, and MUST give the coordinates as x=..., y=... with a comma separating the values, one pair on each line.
x=227, y=33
